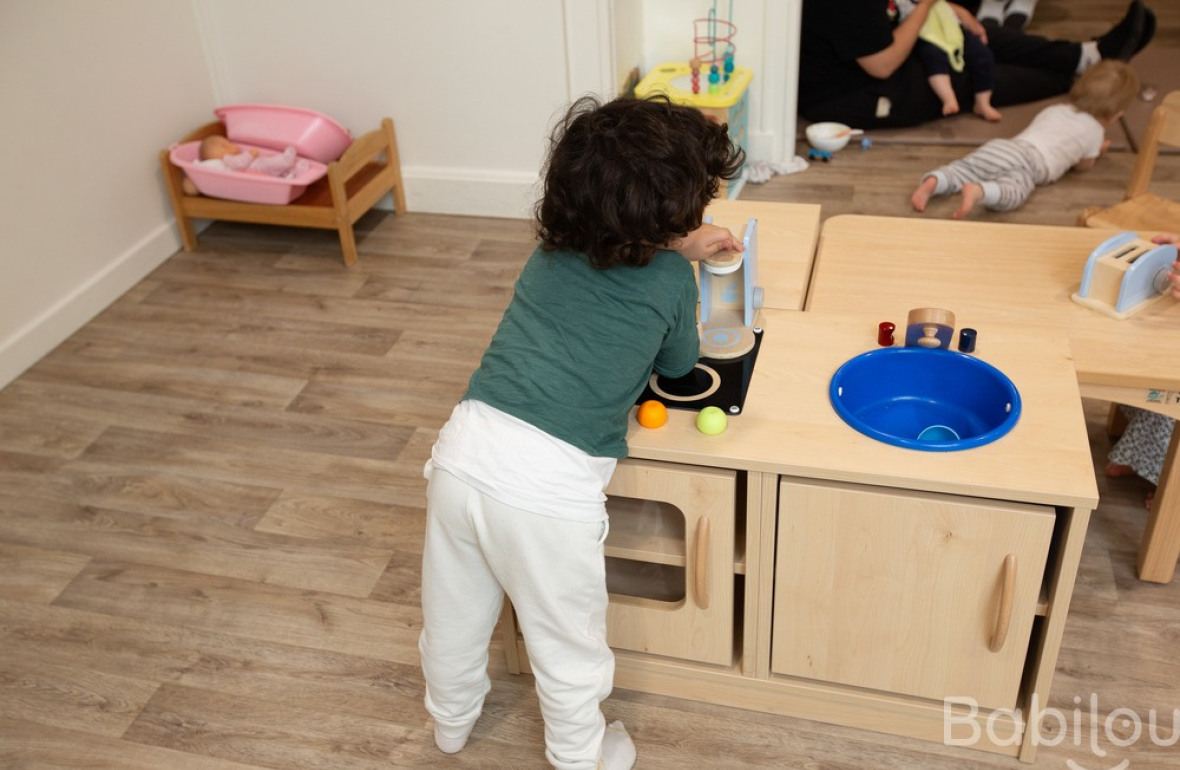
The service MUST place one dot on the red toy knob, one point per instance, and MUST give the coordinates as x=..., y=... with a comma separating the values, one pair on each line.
x=885, y=334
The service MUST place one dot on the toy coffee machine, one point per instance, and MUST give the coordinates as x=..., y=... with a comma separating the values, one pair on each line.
x=730, y=299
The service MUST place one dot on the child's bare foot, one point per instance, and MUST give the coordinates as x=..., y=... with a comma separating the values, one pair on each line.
x=971, y=195
x=950, y=106
x=984, y=108
x=923, y=192
x=1116, y=470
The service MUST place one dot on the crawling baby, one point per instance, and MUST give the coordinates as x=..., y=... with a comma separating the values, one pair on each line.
x=219, y=152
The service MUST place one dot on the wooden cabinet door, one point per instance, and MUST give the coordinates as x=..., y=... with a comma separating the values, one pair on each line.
x=922, y=594
x=670, y=560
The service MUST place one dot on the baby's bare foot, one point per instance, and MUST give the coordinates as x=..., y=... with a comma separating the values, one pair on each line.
x=950, y=106
x=988, y=112
x=923, y=192
x=971, y=195
x=984, y=108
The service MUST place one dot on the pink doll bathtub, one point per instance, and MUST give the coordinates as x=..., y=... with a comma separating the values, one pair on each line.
x=242, y=185
x=313, y=134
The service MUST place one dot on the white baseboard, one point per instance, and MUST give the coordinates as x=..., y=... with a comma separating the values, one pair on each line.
x=25, y=346
x=470, y=191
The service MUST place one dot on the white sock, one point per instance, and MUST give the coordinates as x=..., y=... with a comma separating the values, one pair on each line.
x=451, y=740
x=1089, y=57
x=618, y=751
x=1025, y=7
x=991, y=9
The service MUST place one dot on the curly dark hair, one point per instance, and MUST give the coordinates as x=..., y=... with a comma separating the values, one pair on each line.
x=626, y=177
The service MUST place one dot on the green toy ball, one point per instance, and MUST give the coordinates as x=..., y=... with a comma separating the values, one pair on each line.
x=712, y=421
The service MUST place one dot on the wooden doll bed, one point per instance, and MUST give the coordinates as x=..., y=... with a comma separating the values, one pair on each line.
x=352, y=186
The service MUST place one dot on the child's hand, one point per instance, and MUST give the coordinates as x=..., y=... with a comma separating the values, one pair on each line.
x=1174, y=277
x=705, y=242
x=1105, y=146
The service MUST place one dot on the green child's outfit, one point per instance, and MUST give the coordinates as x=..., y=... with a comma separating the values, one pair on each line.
x=516, y=499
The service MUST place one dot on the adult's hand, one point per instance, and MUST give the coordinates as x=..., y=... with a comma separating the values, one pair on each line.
x=1174, y=278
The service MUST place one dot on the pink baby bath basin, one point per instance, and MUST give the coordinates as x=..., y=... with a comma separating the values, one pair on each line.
x=244, y=185
x=312, y=134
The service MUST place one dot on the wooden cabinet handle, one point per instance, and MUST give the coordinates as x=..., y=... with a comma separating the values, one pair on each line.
x=700, y=565
x=1007, y=595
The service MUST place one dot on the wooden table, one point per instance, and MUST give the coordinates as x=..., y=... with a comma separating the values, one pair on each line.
x=1015, y=274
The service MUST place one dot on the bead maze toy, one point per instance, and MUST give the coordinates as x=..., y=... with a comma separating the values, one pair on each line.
x=724, y=95
x=707, y=34
x=729, y=299
x=1125, y=274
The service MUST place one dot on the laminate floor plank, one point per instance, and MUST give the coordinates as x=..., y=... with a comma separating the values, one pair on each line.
x=304, y=618
x=69, y=696
x=47, y=403
x=31, y=746
x=201, y=545
x=36, y=575
x=155, y=494
x=244, y=462
x=143, y=323
x=318, y=516
x=273, y=734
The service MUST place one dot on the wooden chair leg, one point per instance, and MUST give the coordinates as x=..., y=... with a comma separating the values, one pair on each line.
x=1160, y=548
x=1116, y=422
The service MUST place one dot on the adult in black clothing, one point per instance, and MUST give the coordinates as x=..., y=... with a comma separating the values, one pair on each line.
x=858, y=66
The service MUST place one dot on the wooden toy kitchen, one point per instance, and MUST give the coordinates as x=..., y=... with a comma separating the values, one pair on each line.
x=795, y=565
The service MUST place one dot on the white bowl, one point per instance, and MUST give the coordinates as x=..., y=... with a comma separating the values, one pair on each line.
x=828, y=136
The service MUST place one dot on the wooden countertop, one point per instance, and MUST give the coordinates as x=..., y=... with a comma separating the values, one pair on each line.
x=789, y=427
x=787, y=234
x=993, y=273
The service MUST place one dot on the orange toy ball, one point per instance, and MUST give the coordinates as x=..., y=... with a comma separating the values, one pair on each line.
x=652, y=414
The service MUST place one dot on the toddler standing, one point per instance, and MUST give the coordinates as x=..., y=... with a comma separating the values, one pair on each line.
x=515, y=501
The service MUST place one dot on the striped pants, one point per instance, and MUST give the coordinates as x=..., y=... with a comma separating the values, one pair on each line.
x=1007, y=169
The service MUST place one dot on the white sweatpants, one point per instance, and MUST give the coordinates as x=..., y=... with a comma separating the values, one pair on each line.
x=554, y=571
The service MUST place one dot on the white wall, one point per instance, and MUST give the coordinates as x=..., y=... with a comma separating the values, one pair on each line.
x=472, y=86
x=93, y=89
x=91, y=92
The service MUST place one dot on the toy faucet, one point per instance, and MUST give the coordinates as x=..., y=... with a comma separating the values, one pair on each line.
x=929, y=327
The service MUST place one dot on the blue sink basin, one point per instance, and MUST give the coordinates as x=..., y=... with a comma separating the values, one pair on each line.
x=933, y=400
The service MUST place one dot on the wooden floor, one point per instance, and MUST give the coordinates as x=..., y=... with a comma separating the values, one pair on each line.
x=211, y=520
x=211, y=515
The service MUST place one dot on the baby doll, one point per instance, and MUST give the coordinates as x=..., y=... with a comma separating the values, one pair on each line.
x=219, y=152
x=944, y=44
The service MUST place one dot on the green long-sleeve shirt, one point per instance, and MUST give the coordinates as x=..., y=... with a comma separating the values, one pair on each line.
x=577, y=345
